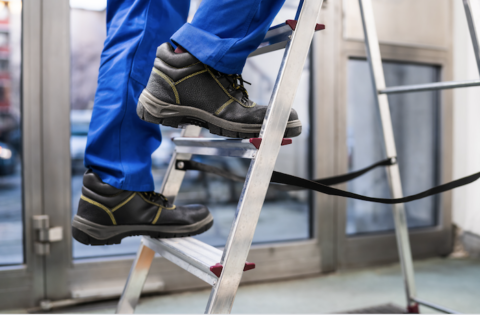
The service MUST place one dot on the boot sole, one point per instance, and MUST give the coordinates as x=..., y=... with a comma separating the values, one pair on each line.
x=153, y=110
x=90, y=233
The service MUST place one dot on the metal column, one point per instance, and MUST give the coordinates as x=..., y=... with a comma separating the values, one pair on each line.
x=136, y=280
x=260, y=171
x=141, y=265
x=473, y=21
x=378, y=80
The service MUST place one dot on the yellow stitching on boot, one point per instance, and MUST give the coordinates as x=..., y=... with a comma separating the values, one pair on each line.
x=223, y=106
x=218, y=82
x=170, y=82
x=123, y=203
x=189, y=76
x=233, y=98
x=101, y=207
x=156, y=204
x=158, y=215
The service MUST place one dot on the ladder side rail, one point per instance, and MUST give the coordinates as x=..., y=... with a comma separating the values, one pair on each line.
x=378, y=80
x=135, y=281
x=472, y=12
x=258, y=177
x=173, y=177
x=141, y=265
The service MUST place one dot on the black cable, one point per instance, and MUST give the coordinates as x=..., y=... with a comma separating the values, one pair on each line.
x=288, y=182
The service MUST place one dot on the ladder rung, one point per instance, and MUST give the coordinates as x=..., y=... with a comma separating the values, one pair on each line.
x=214, y=146
x=192, y=255
x=278, y=36
x=244, y=148
x=429, y=87
x=198, y=258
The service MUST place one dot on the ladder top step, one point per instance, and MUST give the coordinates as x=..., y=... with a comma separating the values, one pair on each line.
x=278, y=36
x=293, y=25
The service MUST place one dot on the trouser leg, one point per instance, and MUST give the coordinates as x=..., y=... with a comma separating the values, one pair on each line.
x=120, y=145
x=223, y=33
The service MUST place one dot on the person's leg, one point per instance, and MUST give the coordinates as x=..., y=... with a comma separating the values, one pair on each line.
x=223, y=33
x=117, y=194
x=120, y=145
x=201, y=86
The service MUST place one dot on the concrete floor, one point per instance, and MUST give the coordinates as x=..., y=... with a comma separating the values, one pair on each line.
x=453, y=283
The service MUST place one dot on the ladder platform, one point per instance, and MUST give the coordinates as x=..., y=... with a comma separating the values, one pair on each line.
x=278, y=36
x=429, y=86
x=243, y=148
x=196, y=257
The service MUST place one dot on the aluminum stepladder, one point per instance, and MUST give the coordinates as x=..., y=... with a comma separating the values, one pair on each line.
x=381, y=92
x=223, y=270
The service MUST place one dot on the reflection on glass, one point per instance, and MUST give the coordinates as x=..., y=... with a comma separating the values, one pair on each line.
x=11, y=228
x=285, y=216
x=415, y=118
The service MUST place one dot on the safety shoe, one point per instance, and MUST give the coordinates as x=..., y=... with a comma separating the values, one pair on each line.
x=182, y=90
x=106, y=215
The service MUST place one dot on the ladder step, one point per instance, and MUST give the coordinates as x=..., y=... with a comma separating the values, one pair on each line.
x=278, y=36
x=243, y=148
x=198, y=258
x=429, y=86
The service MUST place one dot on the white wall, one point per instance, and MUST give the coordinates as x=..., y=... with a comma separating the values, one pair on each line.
x=466, y=200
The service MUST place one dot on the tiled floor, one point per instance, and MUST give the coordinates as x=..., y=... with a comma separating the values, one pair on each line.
x=453, y=283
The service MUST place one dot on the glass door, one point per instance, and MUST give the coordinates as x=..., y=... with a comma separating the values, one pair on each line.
x=21, y=268
x=285, y=231
x=422, y=126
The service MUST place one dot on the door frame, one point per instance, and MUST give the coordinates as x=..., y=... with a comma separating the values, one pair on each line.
x=102, y=277
x=23, y=285
x=331, y=58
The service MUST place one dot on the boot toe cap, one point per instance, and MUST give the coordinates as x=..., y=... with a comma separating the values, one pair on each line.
x=195, y=213
x=184, y=215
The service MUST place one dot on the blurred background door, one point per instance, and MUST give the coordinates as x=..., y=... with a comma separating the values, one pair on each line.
x=285, y=244
x=22, y=263
x=413, y=52
x=43, y=137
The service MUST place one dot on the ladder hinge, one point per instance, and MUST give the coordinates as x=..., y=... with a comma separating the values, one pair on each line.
x=45, y=234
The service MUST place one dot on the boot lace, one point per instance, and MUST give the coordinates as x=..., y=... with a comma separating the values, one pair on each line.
x=156, y=197
x=235, y=83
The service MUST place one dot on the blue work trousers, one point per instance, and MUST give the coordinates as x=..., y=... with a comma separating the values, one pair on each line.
x=222, y=34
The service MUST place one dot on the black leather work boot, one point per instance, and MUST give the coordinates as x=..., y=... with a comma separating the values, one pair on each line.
x=182, y=90
x=106, y=215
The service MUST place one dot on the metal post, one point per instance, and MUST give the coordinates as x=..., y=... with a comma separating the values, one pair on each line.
x=138, y=274
x=472, y=11
x=258, y=177
x=174, y=178
x=401, y=229
x=136, y=280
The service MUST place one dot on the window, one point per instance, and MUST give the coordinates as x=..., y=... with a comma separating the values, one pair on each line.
x=415, y=118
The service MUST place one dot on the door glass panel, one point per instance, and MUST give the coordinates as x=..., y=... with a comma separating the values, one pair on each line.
x=415, y=118
x=11, y=217
x=285, y=216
